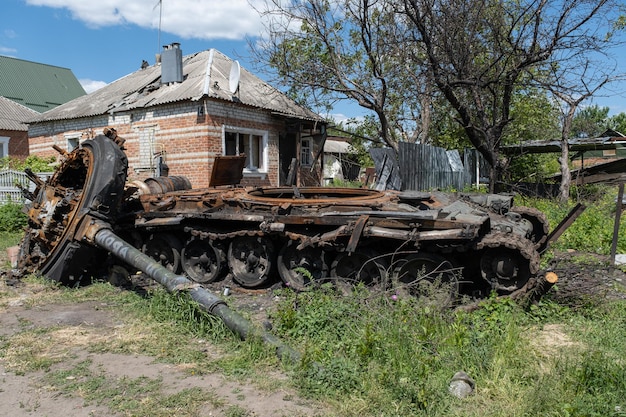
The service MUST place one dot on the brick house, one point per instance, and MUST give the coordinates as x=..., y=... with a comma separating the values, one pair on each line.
x=185, y=111
x=13, y=128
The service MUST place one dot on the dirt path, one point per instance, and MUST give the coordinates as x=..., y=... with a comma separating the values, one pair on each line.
x=73, y=327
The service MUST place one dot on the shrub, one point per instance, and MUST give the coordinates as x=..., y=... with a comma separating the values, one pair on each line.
x=34, y=162
x=12, y=219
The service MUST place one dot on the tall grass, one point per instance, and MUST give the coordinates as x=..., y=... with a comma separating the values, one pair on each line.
x=374, y=356
x=593, y=230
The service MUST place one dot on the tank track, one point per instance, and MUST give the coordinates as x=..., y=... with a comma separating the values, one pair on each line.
x=540, y=223
x=516, y=247
x=304, y=235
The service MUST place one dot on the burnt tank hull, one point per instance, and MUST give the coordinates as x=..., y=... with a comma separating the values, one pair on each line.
x=300, y=236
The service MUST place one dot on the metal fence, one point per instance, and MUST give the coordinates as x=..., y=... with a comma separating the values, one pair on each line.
x=10, y=192
x=422, y=167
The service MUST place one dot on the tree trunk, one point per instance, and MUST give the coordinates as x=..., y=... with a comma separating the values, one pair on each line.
x=564, y=159
x=565, y=173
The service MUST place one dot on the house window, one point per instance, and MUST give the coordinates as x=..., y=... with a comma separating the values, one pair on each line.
x=72, y=142
x=4, y=146
x=305, y=152
x=252, y=143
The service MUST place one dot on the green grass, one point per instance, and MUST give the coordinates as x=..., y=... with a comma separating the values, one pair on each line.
x=593, y=230
x=136, y=397
x=362, y=355
x=373, y=357
x=367, y=354
x=8, y=239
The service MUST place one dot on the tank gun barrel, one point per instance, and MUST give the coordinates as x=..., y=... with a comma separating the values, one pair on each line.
x=101, y=235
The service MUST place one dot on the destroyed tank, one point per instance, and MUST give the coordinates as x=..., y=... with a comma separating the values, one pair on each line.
x=262, y=236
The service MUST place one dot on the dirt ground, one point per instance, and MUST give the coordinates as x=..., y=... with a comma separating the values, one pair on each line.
x=29, y=395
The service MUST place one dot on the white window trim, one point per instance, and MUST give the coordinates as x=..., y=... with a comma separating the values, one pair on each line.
x=69, y=137
x=247, y=131
x=309, y=160
x=4, y=143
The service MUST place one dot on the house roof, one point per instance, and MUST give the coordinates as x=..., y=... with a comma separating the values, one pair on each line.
x=576, y=145
x=335, y=145
x=205, y=74
x=613, y=172
x=39, y=87
x=13, y=115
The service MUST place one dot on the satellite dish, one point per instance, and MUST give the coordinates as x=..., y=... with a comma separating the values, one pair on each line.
x=235, y=73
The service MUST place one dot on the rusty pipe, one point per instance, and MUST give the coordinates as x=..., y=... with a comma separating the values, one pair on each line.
x=102, y=236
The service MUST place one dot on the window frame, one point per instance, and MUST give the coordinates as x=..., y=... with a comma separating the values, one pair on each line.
x=250, y=133
x=306, y=152
x=4, y=145
x=69, y=141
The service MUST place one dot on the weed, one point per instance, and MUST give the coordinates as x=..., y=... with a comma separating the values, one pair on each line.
x=593, y=230
x=30, y=350
x=131, y=396
x=12, y=219
x=236, y=411
x=8, y=239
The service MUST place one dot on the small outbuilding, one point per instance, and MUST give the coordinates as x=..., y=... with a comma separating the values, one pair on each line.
x=13, y=128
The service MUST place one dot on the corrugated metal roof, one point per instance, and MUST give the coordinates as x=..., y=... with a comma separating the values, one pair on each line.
x=37, y=86
x=576, y=144
x=205, y=74
x=337, y=146
x=13, y=115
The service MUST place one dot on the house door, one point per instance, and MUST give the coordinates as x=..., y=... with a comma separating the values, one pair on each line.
x=287, y=150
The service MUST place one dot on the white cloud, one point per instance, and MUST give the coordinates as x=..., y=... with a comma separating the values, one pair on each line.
x=345, y=119
x=91, y=85
x=7, y=51
x=197, y=19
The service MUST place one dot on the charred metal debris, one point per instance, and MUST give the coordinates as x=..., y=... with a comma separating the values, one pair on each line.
x=476, y=243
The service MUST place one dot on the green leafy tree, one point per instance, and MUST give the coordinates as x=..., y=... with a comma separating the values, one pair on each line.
x=362, y=134
x=590, y=122
x=324, y=51
x=480, y=53
x=534, y=117
x=618, y=123
x=398, y=57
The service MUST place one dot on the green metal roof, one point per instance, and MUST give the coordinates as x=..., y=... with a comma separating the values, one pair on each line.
x=40, y=87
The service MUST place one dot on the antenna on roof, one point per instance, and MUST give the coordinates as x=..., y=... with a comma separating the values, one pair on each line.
x=233, y=80
x=160, y=6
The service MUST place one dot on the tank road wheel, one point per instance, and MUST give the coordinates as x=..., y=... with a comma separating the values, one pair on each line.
x=504, y=268
x=164, y=248
x=251, y=259
x=202, y=260
x=538, y=219
x=89, y=180
x=365, y=266
x=507, y=262
x=421, y=273
x=299, y=268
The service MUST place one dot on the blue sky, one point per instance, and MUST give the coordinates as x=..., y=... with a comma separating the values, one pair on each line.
x=103, y=40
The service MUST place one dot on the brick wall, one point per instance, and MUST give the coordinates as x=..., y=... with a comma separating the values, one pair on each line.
x=18, y=142
x=187, y=139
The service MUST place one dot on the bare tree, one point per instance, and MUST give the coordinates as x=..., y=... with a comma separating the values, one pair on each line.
x=480, y=51
x=349, y=50
x=572, y=83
